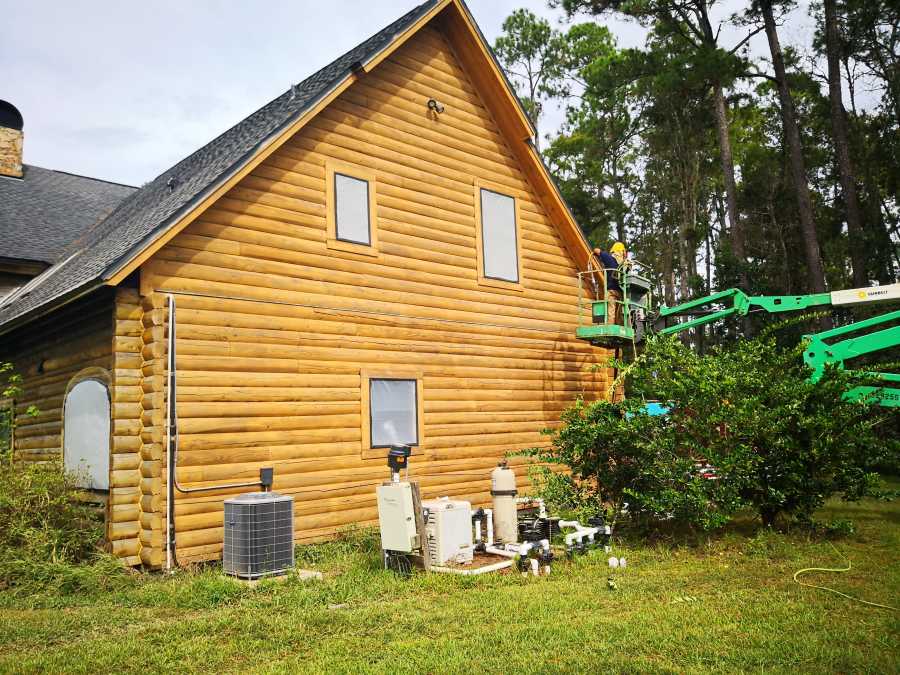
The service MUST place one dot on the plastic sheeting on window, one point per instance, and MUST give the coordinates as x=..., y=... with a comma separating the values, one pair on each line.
x=498, y=236
x=86, y=434
x=351, y=197
x=392, y=404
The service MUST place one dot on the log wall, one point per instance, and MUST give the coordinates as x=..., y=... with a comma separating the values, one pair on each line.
x=275, y=327
x=48, y=353
x=126, y=465
x=152, y=416
x=100, y=337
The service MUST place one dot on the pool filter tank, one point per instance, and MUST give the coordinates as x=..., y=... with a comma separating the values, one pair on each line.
x=503, y=492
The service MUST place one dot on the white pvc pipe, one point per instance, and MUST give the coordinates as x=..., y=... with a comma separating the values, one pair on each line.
x=580, y=531
x=500, y=551
x=503, y=564
x=580, y=535
x=522, y=551
x=476, y=524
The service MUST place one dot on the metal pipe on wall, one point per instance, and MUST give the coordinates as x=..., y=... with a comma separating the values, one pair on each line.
x=172, y=445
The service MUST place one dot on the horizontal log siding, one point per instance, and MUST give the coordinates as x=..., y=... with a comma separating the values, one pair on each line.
x=48, y=353
x=274, y=327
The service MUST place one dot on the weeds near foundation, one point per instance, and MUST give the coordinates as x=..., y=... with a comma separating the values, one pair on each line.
x=49, y=537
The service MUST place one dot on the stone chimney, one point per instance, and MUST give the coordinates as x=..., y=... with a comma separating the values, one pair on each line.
x=11, y=124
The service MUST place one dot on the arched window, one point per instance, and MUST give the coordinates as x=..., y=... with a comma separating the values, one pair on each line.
x=86, y=434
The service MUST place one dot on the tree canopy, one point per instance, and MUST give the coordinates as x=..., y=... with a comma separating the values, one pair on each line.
x=719, y=167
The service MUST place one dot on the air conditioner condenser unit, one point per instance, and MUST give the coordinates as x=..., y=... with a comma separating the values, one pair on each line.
x=259, y=535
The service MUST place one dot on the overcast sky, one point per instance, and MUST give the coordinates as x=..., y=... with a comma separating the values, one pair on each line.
x=122, y=90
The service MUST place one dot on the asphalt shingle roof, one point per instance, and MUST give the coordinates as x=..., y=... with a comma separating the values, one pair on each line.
x=150, y=209
x=43, y=212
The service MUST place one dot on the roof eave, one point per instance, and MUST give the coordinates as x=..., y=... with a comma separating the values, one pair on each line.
x=45, y=309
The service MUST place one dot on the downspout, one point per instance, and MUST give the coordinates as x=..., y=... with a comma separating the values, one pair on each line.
x=172, y=449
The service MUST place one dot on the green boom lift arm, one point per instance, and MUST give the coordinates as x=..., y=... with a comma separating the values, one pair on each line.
x=741, y=305
x=820, y=351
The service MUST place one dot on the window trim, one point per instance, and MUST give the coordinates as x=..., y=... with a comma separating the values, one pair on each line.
x=369, y=451
x=483, y=279
x=332, y=241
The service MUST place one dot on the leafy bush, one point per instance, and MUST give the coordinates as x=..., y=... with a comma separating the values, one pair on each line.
x=44, y=527
x=777, y=442
x=622, y=458
x=10, y=389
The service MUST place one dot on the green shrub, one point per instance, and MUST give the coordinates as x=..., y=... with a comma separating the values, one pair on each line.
x=622, y=459
x=10, y=390
x=778, y=442
x=44, y=527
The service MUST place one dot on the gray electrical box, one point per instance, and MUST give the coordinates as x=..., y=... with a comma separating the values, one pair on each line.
x=259, y=535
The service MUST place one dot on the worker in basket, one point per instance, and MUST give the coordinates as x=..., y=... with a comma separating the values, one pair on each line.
x=610, y=262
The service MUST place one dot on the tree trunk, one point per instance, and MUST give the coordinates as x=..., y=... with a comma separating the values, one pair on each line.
x=795, y=156
x=883, y=250
x=735, y=227
x=782, y=245
x=842, y=148
x=617, y=195
x=668, y=272
x=720, y=114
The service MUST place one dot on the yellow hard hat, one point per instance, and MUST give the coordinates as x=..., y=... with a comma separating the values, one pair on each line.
x=618, y=247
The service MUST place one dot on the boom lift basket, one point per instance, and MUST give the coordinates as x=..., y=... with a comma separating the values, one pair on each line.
x=595, y=312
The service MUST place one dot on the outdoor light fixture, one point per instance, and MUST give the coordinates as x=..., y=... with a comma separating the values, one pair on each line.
x=435, y=106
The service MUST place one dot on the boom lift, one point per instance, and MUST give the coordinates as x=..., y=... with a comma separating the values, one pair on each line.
x=832, y=347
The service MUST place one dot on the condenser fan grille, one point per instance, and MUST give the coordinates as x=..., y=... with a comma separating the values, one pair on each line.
x=259, y=535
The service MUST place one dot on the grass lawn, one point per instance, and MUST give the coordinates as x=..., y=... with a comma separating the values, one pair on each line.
x=727, y=605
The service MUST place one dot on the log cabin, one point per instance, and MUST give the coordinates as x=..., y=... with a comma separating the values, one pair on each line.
x=376, y=256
